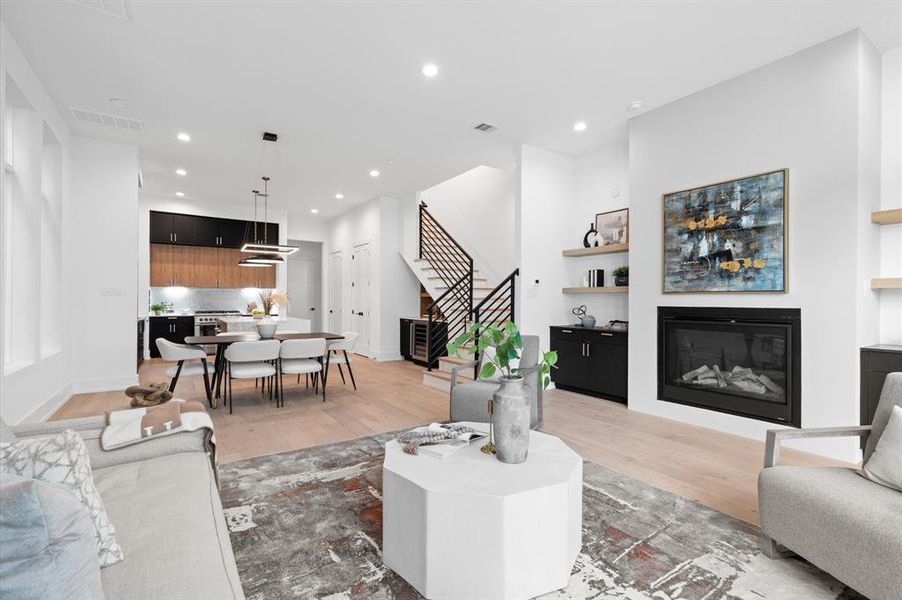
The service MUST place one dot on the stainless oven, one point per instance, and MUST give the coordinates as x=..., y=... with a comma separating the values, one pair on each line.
x=205, y=323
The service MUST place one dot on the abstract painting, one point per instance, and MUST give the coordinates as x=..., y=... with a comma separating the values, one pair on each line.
x=727, y=237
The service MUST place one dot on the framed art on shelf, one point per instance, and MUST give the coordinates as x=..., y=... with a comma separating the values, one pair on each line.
x=613, y=227
x=728, y=236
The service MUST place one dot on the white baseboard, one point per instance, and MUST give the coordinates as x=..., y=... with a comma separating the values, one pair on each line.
x=387, y=357
x=49, y=406
x=105, y=384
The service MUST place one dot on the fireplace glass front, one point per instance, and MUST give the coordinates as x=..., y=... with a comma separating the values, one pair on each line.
x=739, y=361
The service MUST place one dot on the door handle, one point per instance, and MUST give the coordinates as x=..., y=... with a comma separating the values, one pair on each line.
x=360, y=314
x=313, y=309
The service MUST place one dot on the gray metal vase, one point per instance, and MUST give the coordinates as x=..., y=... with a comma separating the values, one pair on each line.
x=511, y=418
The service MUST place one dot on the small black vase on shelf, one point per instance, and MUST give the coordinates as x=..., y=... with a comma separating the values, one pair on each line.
x=591, y=237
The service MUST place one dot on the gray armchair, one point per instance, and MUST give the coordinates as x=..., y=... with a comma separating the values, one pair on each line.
x=836, y=519
x=469, y=401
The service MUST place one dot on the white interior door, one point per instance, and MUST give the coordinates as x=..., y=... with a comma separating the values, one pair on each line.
x=303, y=289
x=360, y=309
x=336, y=262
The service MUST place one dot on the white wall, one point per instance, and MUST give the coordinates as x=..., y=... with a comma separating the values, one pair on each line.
x=557, y=198
x=32, y=388
x=477, y=209
x=546, y=179
x=394, y=291
x=102, y=254
x=891, y=196
x=801, y=113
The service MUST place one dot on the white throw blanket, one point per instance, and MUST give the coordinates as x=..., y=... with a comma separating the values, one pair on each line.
x=132, y=426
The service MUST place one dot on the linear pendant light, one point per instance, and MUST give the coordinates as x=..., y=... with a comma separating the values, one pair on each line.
x=266, y=248
x=259, y=258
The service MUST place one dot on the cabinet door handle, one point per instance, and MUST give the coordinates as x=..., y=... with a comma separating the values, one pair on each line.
x=588, y=349
x=175, y=237
x=607, y=334
x=583, y=348
x=566, y=331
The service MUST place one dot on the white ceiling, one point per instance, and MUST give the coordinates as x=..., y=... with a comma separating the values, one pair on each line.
x=340, y=82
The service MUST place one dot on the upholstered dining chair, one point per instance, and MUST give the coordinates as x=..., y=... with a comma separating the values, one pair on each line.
x=302, y=357
x=251, y=360
x=343, y=346
x=469, y=400
x=186, y=358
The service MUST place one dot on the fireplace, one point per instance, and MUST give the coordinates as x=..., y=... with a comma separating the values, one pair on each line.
x=741, y=361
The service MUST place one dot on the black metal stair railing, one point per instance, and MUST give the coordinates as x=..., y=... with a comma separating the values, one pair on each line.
x=499, y=306
x=454, y=267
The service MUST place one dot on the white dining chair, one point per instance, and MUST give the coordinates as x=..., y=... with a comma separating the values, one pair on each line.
x=186, y=358
x=343, y=346
x=302, y=357
x=251, y=360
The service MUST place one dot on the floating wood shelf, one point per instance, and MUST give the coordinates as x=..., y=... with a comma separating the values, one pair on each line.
x=623, y=289
x=886, y=283
x=887, y=217
x=609, y=249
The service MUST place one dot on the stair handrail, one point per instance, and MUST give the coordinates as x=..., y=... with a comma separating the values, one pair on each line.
x=454, y=266
x=423, y=209
x=510, y=280
x=430, y=316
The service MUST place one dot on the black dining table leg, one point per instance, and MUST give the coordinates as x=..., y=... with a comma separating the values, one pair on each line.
x=218, y=364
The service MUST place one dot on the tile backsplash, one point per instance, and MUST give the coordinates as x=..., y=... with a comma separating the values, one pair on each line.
x=192, y=299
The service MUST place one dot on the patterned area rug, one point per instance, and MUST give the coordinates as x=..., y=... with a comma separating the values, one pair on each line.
x=308, y=524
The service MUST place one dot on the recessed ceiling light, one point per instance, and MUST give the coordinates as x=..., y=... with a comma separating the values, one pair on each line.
x=314, y=210
x=120, y=102
x=181, y=172
x=339, y=196
x=634, y=105
x=430, y=69
x=579, y=126
x=374, y=173
x=180, y=194
x=183, y=137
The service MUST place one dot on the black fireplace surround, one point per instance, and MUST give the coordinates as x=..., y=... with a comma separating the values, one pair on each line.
x=741, y=361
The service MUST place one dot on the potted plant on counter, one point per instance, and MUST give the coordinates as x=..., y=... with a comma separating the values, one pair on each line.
x=500, y=347
x=157, y=308
x=622, y=276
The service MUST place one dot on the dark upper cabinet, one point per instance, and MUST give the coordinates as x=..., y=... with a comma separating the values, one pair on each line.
x=160, y=227
x=171, y=228
x=591, y=361
x=192, y=230
x=272, y=233
x=234, y=234
x=206, y=231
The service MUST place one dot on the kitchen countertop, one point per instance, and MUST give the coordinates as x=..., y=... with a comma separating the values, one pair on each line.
x=596, y=328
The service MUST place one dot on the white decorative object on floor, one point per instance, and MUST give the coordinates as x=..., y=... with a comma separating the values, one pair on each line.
x=470, y=526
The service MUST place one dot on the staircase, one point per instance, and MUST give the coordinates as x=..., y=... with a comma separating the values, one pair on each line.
x=462, y=296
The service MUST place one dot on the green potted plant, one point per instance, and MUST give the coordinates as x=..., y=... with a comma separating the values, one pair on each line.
x=157, y=308
x=500, y=347
x=622, y=276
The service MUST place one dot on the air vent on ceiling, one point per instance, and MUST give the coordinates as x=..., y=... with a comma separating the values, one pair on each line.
x=485, y=128
x=98, y=118
x=111, y=8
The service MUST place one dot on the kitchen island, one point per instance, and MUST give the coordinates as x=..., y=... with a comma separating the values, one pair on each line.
x=244, y=324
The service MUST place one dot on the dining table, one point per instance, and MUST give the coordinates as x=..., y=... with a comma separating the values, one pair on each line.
x=223, y=340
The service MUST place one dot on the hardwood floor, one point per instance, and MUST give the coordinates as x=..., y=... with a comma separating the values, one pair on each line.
x=717, y=469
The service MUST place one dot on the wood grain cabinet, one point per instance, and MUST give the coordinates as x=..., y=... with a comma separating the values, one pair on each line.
x=591, y=361
x=171, y=265
x=204, y=252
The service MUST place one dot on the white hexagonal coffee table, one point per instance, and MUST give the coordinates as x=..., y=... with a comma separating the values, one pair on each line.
x=469, y=526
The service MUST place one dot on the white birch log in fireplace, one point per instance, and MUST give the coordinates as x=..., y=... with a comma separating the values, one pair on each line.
x=739, y=378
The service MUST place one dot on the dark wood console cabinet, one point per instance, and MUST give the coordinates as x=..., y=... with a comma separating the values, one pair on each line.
x=876, y=362
x=591, y=361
